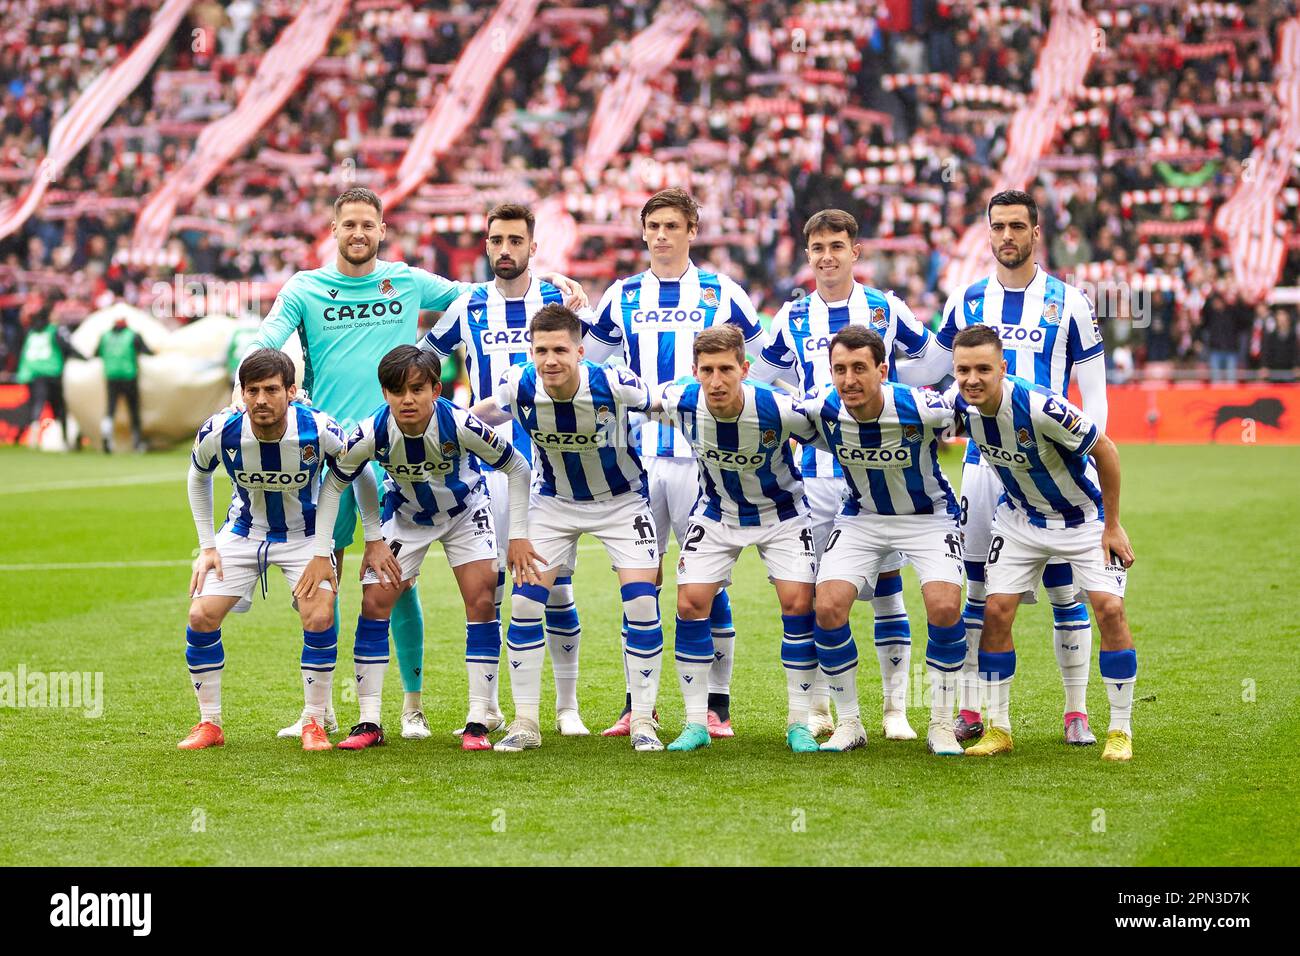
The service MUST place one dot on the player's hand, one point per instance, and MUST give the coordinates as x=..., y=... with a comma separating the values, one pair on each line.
x=1115, y=546
x=524, y=561
x=318, y=569
x=301, y=397
x=574, y=296
x=379, y=557
x=208, y=560
x=236, y=399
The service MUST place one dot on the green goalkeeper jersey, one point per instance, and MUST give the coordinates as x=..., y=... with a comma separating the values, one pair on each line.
x=347, y=324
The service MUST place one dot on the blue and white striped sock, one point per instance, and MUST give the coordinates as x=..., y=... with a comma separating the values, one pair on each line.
x=837, y=656
x=944, y=653
x=972, y=616
x=1071, y=636
x=482, y=660
x=799, y=658
x=893, y=637
x=563, y=634
x=526, y=649
x=370, y=658
x=724, y=643
x=320, y=651
x=693, y=652
x=996, y=671
x=206, y=658
x=645, y=645
x=1119, y=674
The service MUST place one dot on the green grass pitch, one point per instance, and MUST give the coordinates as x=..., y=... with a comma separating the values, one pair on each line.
x=93, y=573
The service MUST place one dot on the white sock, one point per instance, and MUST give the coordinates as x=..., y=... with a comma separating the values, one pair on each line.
x=411, y=701
x=943, y=694
x=895, y=665
x=998, y=695
x=1120, y=694
x=370, y=658
x=645, y=645
x=819, y=695
x=968, y=684
x=526, y=650
x=798, y=693
x=208, y=692
x=317, y=687
x=482, y=662
x=1072, y=641
x=694, y=655
x=563, y=639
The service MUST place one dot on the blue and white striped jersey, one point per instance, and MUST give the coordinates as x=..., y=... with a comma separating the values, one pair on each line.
x=274, y=484
x=1038, y=443
x=652, y=324
x=891, y=464
x=748, y=475
x=1047, y=328
x=583, y=448
x=430, y=477
x=494, y=330
x=797, y=346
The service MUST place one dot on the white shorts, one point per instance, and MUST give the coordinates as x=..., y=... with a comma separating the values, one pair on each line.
x=1018, y=552
x=470, y=536
x=674, y=485
x=980, y=491
x=498, y=486
x=712, y=549
x=623, y=524
x=862, y=545
x=243, y=560
x=826, y=497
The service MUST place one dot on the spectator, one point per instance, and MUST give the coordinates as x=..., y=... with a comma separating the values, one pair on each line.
x=1278, y=353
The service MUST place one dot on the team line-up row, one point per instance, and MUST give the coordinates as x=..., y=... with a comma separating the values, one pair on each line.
x=677, y=432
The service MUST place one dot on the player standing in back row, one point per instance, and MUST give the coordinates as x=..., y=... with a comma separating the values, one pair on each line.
x=491, y=321
x=651, y=319
x=1049, y=332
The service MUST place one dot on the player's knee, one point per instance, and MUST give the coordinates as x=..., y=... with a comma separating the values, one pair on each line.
x=1110, y=615
x=481, y=606
x=693, y=605
x=831, y=613
x=944, y=611
x=202, y=618
x=1000, y=611
x=320, y=616
x=800, y=603
x=377, y=602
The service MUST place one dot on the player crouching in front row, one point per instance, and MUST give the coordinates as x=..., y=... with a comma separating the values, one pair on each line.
x=274, y=451
x=433, y=492
x=1057, y=504
x=751, y=493
x=886, y=439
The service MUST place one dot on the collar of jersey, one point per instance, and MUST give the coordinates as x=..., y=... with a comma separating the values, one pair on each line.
x=1038, y=270
x=332, y=273
x=690, y=264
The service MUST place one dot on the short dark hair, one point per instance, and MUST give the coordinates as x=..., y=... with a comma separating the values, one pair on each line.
x=264, y=364
x=854, y=337
x=510, y=211
x=358, y=194
x=673, y=198
x=396, y=367
x=973, y=336
x=720, y=338
x=830, y=220
x=1014, y=197
x=556, y=318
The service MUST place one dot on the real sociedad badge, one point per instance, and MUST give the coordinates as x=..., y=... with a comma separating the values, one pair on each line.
x=1051, y=314
x=911, y=433
x=448, y=449
x=769, y=438
x=604, y=417
x=1023, y=439
x=878, y=319
x=386, y=289
x=709, y=298
x=308, y=454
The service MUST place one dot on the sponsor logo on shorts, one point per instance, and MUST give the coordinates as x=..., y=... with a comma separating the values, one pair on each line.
x=874, y=457
x=644, y=529
x=1003, y=457
x=272, y=480
x=1119, y=571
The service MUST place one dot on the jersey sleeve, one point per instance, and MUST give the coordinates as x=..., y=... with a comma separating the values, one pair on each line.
x=743, y=314
x=448, y=331
x=951, y=320
x=775, y=356
x=507, y=388
x=1085, y=332
x=1063, y=423
x=628, y=389
x=284, y=318
x=604, y=334
x=332, y=440
x=480, y=440
x=437, y=293
x=796, y=421
x=670, y=397
x=910, y=334
x=207, y=445
x=357, y=451
x=935, y=409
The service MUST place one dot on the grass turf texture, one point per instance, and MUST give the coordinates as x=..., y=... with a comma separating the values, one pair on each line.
x=1212, y=781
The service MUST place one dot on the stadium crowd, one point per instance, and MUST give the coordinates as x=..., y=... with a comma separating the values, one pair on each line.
x=895, y=111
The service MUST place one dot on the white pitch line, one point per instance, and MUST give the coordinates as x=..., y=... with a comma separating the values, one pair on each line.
x=154, y=479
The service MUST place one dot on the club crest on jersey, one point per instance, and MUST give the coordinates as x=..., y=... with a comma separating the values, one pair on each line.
x=769, y=438
x=386, y=289
x=1051, y=314
x=911, y=433
x=604, y=417
x=879, y=321
x=308, y=454
x=1023, y=438
x=448, y=449
x=709, y=298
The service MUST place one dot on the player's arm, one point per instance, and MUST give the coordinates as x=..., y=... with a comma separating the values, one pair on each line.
x=283, y=320
x=1089, y=353
x=142, y=346
x=926, y=363
x=743, y=315
x=775, y=359
x=366, y=489
x=937, y=411
x=575, y=297
x=448, y=331
x=950, y=325
x=490, y=411
x=64, y=341
x=804, y=424
x=1114, y=540
x=477, y=438
x=602, y=337
x=203, y=462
